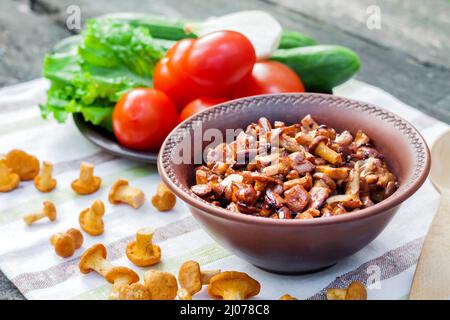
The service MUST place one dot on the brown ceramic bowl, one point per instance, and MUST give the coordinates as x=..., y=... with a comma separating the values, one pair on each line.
x=297, y=246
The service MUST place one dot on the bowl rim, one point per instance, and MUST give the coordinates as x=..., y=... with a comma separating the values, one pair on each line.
x=421, y=168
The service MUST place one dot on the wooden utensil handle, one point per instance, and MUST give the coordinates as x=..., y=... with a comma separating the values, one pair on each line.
x=432, y=277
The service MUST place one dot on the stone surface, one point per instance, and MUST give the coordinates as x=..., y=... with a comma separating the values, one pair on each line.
x=394, y=58
x=25, y=37
x=407, y=57
x=414, y=27
x=7, y=290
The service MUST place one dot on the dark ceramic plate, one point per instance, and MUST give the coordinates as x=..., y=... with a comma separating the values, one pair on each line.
x=106, y=141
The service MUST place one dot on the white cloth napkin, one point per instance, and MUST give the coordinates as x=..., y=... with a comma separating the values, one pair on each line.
x=27, y=258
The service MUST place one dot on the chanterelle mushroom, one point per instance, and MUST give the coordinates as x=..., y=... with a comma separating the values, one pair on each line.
x=287, y=297
x=233, y=285
x=65, y=243
x=355, y=291
x=8, y=179
x=121, y=192
x=25, y=165
x=94, y=259
x=87, y=183
x=120, y=277
x=164, y=199
x=183, y=294
x=91, y=219
x=134, y=291
x=143, y=252
x=45, y=182
x=162, y=285
x=192, y=278
x=48, y=211
x=319, y=147
x=351, y=197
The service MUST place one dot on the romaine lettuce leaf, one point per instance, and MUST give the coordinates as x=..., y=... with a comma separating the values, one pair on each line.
x=89, y=73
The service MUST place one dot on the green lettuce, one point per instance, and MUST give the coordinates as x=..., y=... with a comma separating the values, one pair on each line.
x=89, y=73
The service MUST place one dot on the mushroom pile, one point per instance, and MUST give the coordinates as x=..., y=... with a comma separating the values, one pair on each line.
x=241, y=188
x=157, y=284
x=125, y=282
x=162, y=285
x=301, y=171
x=17, y=166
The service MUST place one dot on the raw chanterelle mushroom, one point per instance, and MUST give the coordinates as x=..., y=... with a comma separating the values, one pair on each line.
x=164, y=199
x=355, y=291
x=183, y=294
x=124, y=280
x=192, y=278
x=48, y=211
x=162, y=285
x=233, y=285
x=134, y=291
x=8, y=179
x=45, y=182
x=125, y=285
x=91, y=219
x=121, y=192
x=287, y=297
x=94, y=259
x=143, y=252
x=65, y=243
x=22, y=163
x=87, y=183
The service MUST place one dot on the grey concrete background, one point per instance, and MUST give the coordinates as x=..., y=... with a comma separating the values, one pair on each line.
x=408, y=57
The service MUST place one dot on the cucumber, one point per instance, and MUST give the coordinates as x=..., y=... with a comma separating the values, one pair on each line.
x=159, y=26
x=294, y=39
x=320, y=67
x=163, y=28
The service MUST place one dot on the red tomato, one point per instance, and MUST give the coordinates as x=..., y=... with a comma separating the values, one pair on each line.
x=218, y=61
x=198, y=105
x=143, y=118
x=169, y=75
x=177, y=55
x=270, y=77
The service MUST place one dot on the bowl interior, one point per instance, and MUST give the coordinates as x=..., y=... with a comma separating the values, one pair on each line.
x=405, y=150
